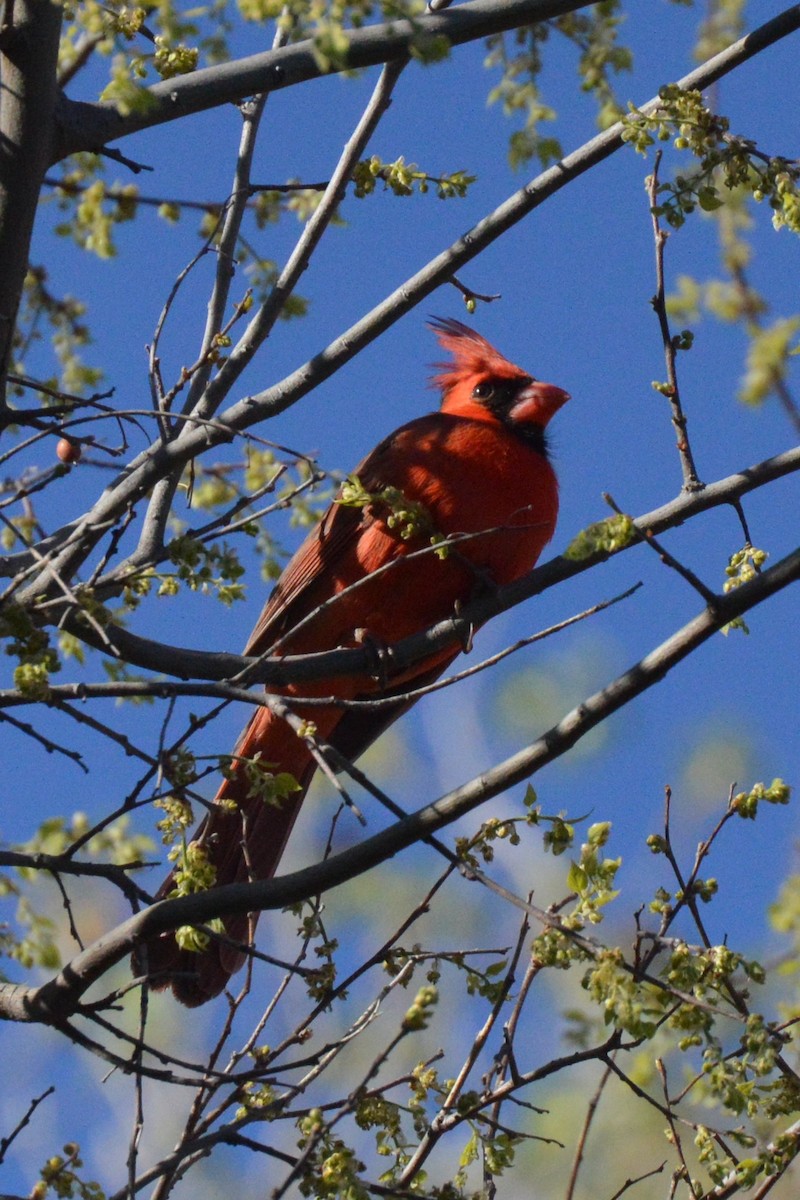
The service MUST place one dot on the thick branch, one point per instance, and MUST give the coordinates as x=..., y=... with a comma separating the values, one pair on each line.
x=54, y=1002
x=185, y=663
x=91, y=126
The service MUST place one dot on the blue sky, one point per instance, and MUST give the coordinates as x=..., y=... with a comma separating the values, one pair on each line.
x=576, y=280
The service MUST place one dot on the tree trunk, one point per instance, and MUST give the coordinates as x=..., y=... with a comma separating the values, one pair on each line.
x=29, y=40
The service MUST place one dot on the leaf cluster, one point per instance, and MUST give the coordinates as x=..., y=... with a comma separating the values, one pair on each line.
x=724, y=161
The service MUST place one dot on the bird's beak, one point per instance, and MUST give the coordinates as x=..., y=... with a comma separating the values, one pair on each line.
x=538, y=403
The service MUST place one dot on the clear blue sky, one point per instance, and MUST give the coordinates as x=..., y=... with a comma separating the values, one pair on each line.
x=576, y=280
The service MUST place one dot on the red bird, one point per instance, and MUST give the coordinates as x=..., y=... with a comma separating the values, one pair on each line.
x=476, y=472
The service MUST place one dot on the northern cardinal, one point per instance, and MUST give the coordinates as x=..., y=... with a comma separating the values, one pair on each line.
x=479, y=467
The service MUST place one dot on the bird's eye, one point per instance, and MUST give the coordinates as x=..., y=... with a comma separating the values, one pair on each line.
x=483, y=391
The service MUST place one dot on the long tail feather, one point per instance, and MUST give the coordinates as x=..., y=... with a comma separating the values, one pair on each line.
x=244, y=837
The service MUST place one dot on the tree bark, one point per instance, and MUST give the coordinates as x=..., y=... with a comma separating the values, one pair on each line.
x=28, y=97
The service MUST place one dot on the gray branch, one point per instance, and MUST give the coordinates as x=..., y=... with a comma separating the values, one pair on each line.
x=186, y=663
x=264, y=320
x=53, y=1002
x=90, y=126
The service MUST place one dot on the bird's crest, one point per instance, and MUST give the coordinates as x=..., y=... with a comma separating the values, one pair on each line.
x=471, y=353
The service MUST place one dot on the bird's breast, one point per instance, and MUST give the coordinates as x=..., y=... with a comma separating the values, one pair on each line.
x=480, y=481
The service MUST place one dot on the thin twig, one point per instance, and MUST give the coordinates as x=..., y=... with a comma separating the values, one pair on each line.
x=629, y=1183
x=668, y=559
x=24, y=1120
x=591, y=1109
x=691, y=481
x=50, y=746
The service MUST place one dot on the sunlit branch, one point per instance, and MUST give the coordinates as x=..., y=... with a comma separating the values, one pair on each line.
x=86, y=126
x=154, y=525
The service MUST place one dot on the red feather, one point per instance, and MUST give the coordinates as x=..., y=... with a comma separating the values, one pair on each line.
x=477, y=467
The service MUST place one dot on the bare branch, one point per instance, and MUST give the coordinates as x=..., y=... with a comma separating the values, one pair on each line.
x=261, y=325
x=23, y=1121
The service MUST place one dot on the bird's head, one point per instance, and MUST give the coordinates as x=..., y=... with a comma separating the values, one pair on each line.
x=480, y=383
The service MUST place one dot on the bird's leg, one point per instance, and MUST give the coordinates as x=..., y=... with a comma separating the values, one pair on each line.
x=378, y=654
x=465, y=636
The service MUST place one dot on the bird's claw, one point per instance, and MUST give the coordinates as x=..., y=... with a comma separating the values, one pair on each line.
x=465, y=635
x=378, y=656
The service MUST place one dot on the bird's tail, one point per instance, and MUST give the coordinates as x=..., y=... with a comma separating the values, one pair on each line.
x=243, y=837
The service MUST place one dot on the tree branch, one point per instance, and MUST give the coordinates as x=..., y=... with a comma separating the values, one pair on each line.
x=89, y=126
x=153, y=464
x=186, y=663
x=264, y=320
x=53, y=1002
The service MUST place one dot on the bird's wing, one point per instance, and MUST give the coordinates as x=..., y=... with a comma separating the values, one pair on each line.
x=308, y=578
x=291, y=598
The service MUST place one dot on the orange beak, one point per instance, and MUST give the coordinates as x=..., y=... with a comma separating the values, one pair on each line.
x=538, y=403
